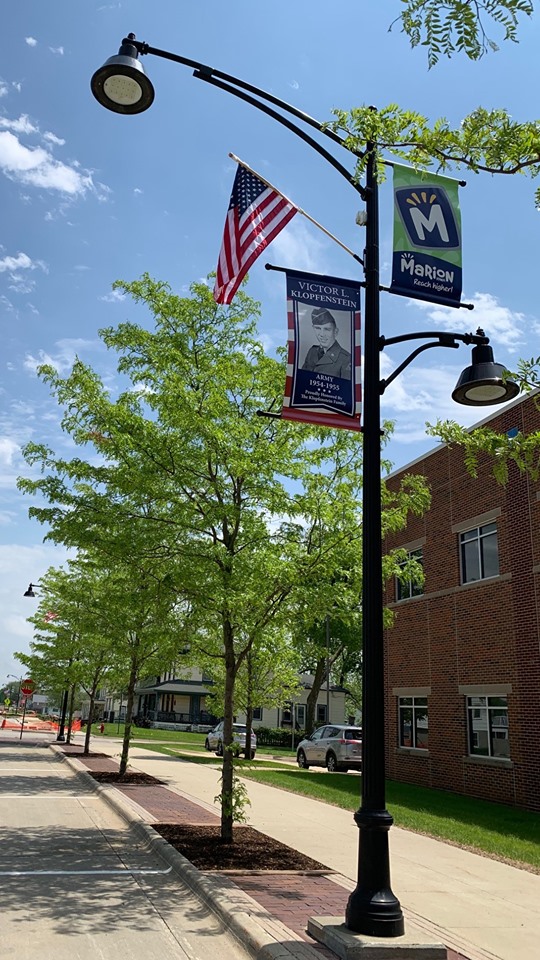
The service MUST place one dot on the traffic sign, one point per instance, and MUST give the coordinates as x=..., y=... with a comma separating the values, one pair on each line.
x=27, y=687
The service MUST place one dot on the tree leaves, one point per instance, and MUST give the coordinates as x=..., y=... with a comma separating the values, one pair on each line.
x=487, y=141
x=459, y=25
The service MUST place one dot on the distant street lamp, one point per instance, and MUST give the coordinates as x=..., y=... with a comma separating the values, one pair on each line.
x=20, y=680
x=122, y=86
x=31, y=592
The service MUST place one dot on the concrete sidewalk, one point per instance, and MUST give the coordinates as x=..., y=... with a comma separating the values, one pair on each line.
x=480, y=908
x=78, y=881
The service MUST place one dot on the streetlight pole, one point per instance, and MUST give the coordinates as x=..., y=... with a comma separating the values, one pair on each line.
x=31, y=592
x=372, y=908
x=61, y=734
x=122, y=86
x=20, y=680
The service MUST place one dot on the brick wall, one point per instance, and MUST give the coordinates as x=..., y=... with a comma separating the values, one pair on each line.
x=475, y=634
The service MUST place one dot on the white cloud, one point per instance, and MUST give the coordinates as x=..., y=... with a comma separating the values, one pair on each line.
x=268, y=343
x=52, y=138
x=137, y=190
x=8, y=448
x=68, y=350
x=115, y=296
x=59, y=50
x=4, y=87
x=31, y=41
x=21, y=125
x=299, y=245
x=21, y=284
x=36, y=167
x=501, y=324
x=23, y=408
x=21, y=262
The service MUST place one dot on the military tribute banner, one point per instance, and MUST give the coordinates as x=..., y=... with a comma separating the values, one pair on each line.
x=323, y=358
x=427, y=237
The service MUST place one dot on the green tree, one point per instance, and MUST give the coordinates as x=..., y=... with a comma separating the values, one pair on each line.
x=186, y=467
x=267, y=678
x=70, y=649
x=487, y=141
x=460, y=25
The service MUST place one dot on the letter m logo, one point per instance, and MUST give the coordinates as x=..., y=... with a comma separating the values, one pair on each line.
x=428, y=217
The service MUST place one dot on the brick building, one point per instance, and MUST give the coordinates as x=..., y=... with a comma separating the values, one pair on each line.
x=462, y=661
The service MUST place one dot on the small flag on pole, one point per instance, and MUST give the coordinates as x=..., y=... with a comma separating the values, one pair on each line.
x=256, y=214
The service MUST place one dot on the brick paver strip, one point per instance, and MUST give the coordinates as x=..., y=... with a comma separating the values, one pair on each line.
x=293, y=898
x=290, y=898
x=167, y=806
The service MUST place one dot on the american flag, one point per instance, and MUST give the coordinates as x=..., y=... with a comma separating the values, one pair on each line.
x=255, y=216
x=50, y=615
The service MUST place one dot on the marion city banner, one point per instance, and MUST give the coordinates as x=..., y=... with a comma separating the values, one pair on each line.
x=323, y=358
x=427, y=237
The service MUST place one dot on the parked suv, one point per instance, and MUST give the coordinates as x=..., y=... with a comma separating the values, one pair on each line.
x=214, y=739
x=335, y=746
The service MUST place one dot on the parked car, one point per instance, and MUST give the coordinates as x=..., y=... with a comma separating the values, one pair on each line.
x=214, y=739
x=335, y=746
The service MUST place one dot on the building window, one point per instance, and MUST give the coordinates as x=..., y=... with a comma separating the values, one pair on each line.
x=413, y=722
x=479, y=553
x=257, y=713
x=409, y=588
x=321, y=713
x=488, y=726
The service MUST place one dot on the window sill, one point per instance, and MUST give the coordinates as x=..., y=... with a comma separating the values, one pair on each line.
x=489, y=761
x=412, y=752
x=484, y=580
x=417, y=596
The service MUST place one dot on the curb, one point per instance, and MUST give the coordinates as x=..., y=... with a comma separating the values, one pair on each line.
x=264, y=937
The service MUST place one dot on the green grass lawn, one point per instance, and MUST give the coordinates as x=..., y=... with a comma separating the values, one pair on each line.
x=190, y=741
x=488, y=828
x=206, y=757
x=194, y=741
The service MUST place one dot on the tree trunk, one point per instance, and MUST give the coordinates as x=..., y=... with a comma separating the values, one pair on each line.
x=313, y=695
x=249, y=704
x=70, y=713
x=86, y=748
x=129, y=713
x=227, y=775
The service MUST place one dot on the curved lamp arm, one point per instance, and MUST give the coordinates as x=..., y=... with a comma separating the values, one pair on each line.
x=203, y=72
x=450, y=340
x=128, y=64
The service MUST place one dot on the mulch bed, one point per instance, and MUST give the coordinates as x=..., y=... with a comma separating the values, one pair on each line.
x=111, y=776
x=250, y=850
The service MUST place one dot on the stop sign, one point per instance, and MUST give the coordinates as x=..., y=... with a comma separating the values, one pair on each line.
x=27, y=687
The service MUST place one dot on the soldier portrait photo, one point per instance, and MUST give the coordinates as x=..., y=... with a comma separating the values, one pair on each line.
x=327, y=355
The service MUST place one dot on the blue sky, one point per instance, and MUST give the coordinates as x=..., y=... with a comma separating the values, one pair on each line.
x=88, y=196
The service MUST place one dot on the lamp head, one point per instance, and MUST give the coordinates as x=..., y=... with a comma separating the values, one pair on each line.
x=30, y=591
x=483, y=383
x=121, y=84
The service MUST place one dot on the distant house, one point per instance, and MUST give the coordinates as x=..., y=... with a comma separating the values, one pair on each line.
x=463, y=657
x=179, y=702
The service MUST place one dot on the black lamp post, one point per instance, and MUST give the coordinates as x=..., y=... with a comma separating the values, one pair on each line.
x=20, y=680
x=31, y=592
x=122, y=86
